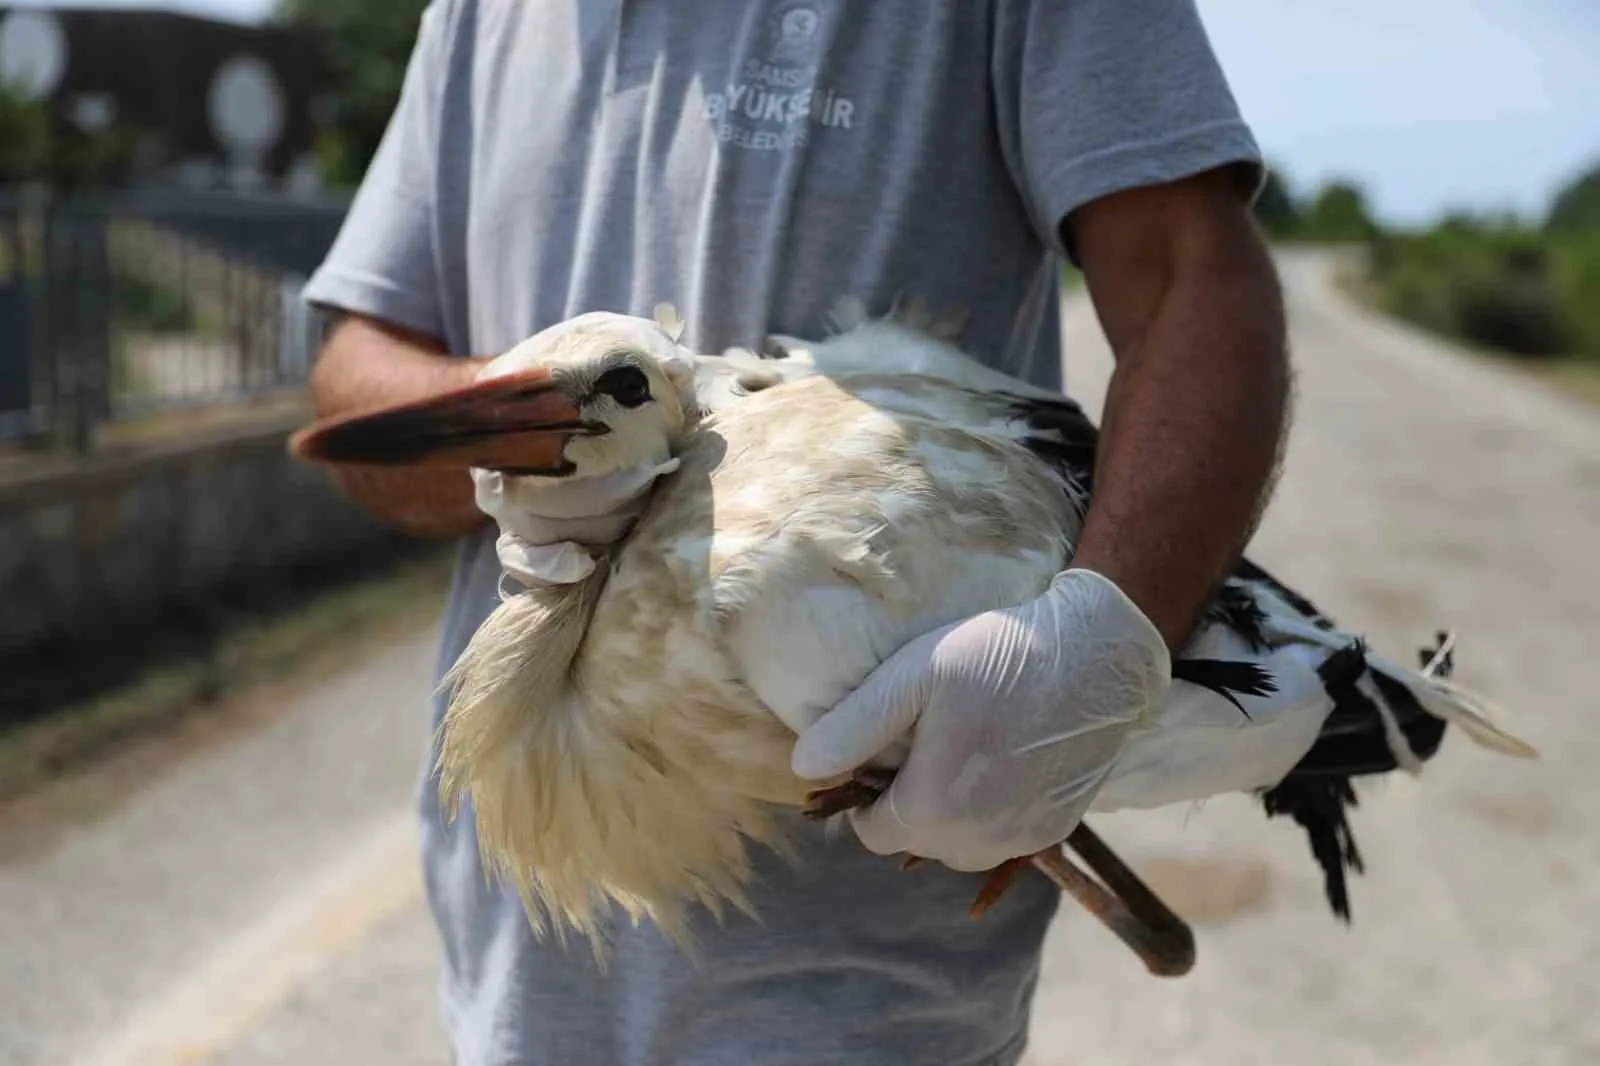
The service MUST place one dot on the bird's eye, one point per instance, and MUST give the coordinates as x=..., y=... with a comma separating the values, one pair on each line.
x=625, y=384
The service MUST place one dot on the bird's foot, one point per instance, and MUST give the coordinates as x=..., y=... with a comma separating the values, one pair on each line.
x=1000, y=879
x=863, y=789
x=1125, y=904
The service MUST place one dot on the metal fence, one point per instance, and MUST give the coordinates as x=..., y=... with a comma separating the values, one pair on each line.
x=120, y=308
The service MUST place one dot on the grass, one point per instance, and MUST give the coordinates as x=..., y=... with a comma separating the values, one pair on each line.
x=290, y=649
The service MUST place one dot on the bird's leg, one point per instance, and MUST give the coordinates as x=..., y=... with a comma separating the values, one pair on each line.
x=1000, y=879
x=864, y=786
x=1123, y=903
x=1166, y=943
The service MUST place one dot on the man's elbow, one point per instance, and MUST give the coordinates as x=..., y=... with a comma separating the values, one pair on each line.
x=342, y=364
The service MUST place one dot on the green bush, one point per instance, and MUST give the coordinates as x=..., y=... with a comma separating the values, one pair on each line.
x=366, y=45
x=148, y=307
x=1577, y=271
x=1515, y=314
x=1576, y=208
x=37, y=146
x=1497, y=285
x=24, y=137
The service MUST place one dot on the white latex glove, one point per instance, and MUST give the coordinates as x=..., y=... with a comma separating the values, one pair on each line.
x=1014, y=718
x=548, y=527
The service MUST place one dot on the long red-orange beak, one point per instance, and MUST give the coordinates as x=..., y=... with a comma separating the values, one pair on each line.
x=519, y=423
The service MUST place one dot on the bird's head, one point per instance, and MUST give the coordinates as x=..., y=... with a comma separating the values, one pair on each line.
x=587, y=397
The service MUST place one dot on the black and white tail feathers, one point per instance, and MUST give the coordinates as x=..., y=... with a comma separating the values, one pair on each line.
x=1384, y=716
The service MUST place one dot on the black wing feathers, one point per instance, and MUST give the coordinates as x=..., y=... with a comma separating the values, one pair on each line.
x=1318, y=793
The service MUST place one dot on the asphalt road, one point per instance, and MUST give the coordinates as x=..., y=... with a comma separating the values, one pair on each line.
x=170, y=916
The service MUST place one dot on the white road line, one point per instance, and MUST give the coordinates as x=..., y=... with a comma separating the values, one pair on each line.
x=208, y=1008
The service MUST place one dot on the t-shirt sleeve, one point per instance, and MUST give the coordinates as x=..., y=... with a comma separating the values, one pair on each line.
x=384, y=261
x=1097, y=96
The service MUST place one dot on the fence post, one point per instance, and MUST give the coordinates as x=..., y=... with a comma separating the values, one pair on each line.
x=237, y=262
x=78, y=276
x=17, y=400
x=299, y=338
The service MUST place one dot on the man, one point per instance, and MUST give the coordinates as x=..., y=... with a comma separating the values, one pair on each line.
x=751, y=161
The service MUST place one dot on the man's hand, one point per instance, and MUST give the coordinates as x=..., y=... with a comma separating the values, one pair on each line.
x=1016, y=716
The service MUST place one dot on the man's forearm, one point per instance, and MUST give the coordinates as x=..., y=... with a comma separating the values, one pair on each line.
x=1192, y=433
x=366, y=364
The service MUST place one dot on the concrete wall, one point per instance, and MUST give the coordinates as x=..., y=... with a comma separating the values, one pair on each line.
x=98, y=555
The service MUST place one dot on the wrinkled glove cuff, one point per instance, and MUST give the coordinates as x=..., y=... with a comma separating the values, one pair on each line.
x=549, y=528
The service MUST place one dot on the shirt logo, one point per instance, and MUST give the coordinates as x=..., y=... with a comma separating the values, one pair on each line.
x=773, y=100
x=796, y=34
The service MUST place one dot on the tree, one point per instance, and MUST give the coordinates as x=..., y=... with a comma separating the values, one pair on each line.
x=1339, y=213
x=24, y=137
x=1577, y=207
x=1275, y=207
x=38, y=145
x=366, y=45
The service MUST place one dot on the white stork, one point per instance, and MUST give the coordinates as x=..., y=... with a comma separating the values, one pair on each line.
x=624, y=736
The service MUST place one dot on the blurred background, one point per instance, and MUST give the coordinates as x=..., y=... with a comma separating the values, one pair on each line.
x=213, y=668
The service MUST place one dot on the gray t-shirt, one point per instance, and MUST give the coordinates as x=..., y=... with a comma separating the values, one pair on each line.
x=752, y=161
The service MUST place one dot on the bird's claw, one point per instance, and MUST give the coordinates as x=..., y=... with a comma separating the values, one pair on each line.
x=1126, y=906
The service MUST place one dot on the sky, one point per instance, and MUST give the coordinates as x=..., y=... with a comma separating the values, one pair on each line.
x=1431, y=105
